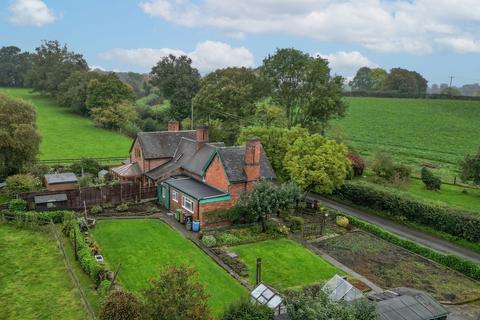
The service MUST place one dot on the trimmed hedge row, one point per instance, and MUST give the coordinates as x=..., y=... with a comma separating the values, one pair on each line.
x=397, y=204
x=459, y=264
x=87, y=261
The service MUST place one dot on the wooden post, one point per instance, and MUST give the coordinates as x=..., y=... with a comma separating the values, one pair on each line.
x=75, y=244
x=115, y=275
x=259, y=271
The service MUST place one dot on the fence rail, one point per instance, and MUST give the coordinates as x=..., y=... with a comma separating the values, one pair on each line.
x=78, y=199
x=71, y=160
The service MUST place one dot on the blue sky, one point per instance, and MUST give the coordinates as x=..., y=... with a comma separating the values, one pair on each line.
x=437, y=38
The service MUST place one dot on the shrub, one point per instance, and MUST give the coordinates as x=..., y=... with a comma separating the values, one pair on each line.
x=121, y=305
x=459, y=264
x=295, y=223
x=358, y=165
x=342, y=221
x=104, y=288
x=122, y=207
x=401, y=172
x=403, y=206
x=96, y=209
x=209, y=241
x=431, y=182
x=217, y=215
x=85, y=181
x=237, y=215
x=17, y=205
x=227, y=239
x=21, y=183
x=383, y=165
x=245, y=310
x=86, y=165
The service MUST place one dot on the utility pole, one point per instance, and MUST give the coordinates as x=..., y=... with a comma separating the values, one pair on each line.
x=451, y=79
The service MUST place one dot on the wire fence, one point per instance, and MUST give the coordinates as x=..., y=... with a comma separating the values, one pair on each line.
x=72, y=274
x=102, y=160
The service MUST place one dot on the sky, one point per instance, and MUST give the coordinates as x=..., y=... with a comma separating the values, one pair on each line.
x=438, y=38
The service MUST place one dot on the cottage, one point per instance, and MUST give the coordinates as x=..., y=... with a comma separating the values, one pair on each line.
x=192, y=173
x=61, y=181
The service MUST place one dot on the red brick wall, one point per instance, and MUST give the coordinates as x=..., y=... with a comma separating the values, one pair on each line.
x=178, y=205
x=153, y=163
x=133, y=155
x=216, y=176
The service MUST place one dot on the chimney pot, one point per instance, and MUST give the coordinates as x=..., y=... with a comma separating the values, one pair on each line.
x=252, y=159
x=201, y=136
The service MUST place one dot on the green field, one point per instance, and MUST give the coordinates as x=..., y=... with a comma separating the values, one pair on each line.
x=143, y=247
x=34, y=283
x=69, y=136
x=415, y=131
x=285, y=264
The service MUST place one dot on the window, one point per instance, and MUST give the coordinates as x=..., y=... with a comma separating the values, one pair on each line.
x=187, y=204
x=138, y=153
x=174, y=195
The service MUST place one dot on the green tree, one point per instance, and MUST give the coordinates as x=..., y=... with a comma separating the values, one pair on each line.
x=431, y=182
x=228, y=95
x=302, y=85
x=406, y=82
x=13, y=66
x=52, y=65
x=451, y=91
x=177, y=81
x=121, y=305
x=110, y=102
x=266, y=199
x=275, y=142
x=362, y=80
x=19, y=183
x=177, y=294
x=378, y=77
x=317, y=164
x=19, y=138
x=470, y=168
x=73, y=91
x=245, y=310
x=269, y=114
x=307, y=306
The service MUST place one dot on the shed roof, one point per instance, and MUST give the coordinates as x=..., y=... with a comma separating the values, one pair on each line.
x=58, y=197
x=66, y=177
x=162, y=144
x=128, y=170
x=408, y=304
x=194, y=188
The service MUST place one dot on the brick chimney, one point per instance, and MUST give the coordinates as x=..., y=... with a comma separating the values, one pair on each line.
x=252, y=159
x=173, y=125
x=201, y=136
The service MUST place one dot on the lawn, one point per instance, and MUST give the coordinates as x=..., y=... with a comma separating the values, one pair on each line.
x=69, y=136
x=143, y=247
x=415, y=131
x=285, y=264
x=34, y=283
x=451, y=195
x=390, y=266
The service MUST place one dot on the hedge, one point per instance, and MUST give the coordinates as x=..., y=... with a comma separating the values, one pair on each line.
x=459, y=264
x=85, y=257
x=396, y=94
x=34, y=217
x=400, y=205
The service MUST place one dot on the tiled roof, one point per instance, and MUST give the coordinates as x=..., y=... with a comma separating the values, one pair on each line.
x=194, y=188
x=161, y=144
x=128, y=170
x=66, y=177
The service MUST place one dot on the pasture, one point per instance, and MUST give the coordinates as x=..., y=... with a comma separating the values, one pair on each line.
x=33, y=280
x=417, y=132
x=285, y=264
x=143, y=247
x=66, y=135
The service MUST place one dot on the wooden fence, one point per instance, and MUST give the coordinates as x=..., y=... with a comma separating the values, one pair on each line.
x=91, y=196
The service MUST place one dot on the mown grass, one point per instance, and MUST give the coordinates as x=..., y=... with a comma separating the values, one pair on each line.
x=285, y=264
x=34, y=283
x=143, y=247
x=66, y=135
x=415, y=131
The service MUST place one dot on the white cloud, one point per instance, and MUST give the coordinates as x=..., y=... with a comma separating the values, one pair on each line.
x=347, y=63
x=413, y=26
x=31, y=13
x=207, y=56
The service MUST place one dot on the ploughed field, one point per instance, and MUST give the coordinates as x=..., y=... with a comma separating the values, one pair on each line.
x=66, y=135
x=390, y=266
x=143, y=247
x=34, y=283
x=437, y=133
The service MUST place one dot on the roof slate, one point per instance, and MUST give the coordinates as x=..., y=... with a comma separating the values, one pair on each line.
x=58, y=197
x=194, y=188
x=162, y=144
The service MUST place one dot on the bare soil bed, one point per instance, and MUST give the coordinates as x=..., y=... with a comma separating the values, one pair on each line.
x=390, y=266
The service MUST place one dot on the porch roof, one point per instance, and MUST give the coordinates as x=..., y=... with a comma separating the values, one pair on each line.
x=194, y=188
x=128, y=170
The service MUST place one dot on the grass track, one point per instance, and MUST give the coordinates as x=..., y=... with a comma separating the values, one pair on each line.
x=34, y=283
x=285, y=263
x=415, y=131
x=143, y=247
x=66, y=135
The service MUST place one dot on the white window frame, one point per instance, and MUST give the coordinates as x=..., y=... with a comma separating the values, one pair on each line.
x=185, y=200
x=175, y=195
